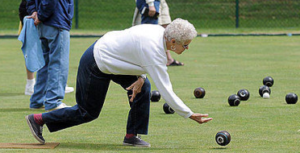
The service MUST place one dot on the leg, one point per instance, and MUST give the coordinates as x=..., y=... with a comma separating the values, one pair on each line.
x=30, y=75
x=29, y=88
x=37, y=99
x=164, y=16
x=138, y=118
x=91, y=89
x=172, y=61
x=58, y=65
x=169, y=57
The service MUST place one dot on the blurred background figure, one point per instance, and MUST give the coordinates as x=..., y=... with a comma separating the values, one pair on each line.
x=30, y=75
x=29, y=88
x=53, y=21
x=164, y=19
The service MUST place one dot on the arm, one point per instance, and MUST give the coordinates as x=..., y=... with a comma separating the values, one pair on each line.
x=161, y=79
x=35, y=18
x=152, y=9
x=46, y=9
x=140, y=4
x=30, y=6
x=136, y=87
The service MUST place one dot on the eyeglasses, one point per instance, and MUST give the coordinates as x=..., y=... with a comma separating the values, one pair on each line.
x=185, y=46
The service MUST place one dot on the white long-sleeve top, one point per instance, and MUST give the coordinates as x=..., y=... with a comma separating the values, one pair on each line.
x=135, y=51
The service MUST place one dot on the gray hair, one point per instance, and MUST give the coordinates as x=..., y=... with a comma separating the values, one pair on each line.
x=180, y=30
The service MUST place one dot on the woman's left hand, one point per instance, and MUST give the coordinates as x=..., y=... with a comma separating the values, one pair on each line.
x=136, y=88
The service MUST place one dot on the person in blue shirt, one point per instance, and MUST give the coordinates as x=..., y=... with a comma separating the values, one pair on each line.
x=149, y=10
x=29, y=88
x=53, y=19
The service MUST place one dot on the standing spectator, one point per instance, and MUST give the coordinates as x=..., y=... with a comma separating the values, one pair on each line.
x=124, y=57
x=53, y=19
x=30, y=75
x=29, y=88
x=149, y=10
x=163, y=19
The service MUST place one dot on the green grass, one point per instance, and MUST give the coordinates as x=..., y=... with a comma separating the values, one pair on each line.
x=221, y=65
x=117, y=14
x=212, y=17
x=282, y=30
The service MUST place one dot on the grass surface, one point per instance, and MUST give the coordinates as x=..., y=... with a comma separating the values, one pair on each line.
x=262, y=31
x=221, y=65
x=110, y=15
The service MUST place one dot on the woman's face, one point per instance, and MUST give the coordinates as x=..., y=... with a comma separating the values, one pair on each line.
x=181, y=47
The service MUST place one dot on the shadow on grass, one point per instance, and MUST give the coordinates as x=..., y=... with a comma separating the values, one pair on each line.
x=11, y=94
x=103, y=147
x=219, y=148
x=15, y=109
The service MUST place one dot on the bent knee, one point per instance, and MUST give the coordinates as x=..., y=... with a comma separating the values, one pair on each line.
x=147, y=86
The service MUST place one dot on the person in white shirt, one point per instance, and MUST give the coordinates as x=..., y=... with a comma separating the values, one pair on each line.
x=124, y=57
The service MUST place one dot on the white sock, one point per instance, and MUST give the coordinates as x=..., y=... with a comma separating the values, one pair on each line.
x=30, y=82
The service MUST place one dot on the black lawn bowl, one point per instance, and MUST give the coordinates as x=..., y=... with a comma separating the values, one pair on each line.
x=268, y=81
x=244, y=94
x=223, y=138
x=291, y=98
x=168, y=109
x=199, y=92
x=264, y=89
x=155, y=96
x=234, y=100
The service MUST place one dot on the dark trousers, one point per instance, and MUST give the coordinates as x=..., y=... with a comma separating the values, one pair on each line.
x=91, y=89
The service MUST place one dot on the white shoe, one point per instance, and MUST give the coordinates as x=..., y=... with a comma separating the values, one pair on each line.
x=69, y=89
x=29, y=90
x=62, y=105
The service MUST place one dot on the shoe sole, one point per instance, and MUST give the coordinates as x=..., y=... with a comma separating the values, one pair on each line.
x=129, y=144
x=32, y=131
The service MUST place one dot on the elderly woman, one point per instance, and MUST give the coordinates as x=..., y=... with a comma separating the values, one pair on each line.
x=124, y=57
